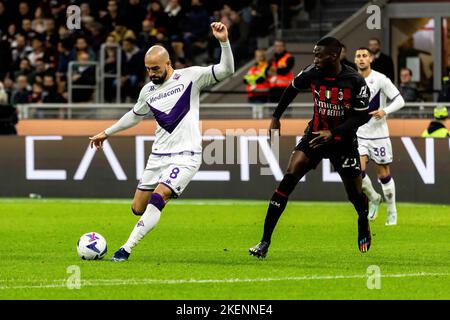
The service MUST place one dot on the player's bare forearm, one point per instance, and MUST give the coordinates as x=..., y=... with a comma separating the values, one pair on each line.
x=287, y=97
x=274, y=128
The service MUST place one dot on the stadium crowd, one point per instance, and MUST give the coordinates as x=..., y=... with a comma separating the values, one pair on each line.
x=36, y=45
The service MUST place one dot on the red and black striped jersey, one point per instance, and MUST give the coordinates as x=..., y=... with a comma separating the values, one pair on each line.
x=336, y=99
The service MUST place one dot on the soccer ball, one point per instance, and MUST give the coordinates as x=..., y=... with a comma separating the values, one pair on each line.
x=91, y=246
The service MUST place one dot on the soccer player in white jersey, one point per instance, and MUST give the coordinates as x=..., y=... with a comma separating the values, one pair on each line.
x=172, y=97
x=373, y=137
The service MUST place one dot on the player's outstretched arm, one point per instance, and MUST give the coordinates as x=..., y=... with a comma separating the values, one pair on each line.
x=129, y=119
x=225, y=68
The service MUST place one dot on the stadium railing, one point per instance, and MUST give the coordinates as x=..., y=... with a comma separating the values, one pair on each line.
x=207, y=110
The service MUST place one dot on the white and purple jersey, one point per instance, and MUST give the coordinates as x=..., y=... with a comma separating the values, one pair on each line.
x=175, y=107
x=381, y=88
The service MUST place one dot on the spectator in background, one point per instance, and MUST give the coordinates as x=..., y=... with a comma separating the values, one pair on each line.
x=121, y=31
x=381, y=62
x=64, y=57
x=19, y=49
x=27, y=29
x=22, y=92
x=156, y=14
x=38, y=23
x=407, y=88
x=49, y=90
x=58, y=12
x=257, y=85
x=24, y=69
x=37, y=51
x=180, y=63
x=239, y=37
x=86, y=14
x=280, y=71
x=36, y=94
x=133, y=71
x=24, y=13
x=436, y=128
x=37, y=76
x=5, y=17
x=134, y=15
x=50, y=33
x=147, y=36
x=195, y=29
x=97, y=37
x=5, y=58
x=344, y=58
x=260, y=22
x=81, y=45
x=109, y=18
x=175, y=16
x=8, y=114
x=83, y=74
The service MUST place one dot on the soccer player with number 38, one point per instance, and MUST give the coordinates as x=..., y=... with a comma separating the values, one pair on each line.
x=373, y=137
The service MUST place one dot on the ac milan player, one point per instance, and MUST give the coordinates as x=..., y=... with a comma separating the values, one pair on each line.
x=341, y=99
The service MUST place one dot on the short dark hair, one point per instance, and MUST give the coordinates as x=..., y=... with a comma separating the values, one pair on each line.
x=375, y=39
x=333, y=44
x=409, y=70
x=365, y=48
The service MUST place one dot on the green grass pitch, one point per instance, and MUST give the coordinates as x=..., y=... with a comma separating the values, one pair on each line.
x=199, y=251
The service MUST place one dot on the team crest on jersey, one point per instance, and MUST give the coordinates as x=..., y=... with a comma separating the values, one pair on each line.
x=176, y=76
x=340, y=95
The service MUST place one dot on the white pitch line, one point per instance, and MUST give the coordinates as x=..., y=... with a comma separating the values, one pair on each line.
x=127, y=282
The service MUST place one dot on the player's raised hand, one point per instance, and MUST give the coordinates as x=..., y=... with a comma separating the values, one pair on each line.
x=219, y=31
x=97, y=140
x=274, y=128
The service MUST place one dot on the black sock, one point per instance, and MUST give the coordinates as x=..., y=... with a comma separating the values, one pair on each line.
x=276, y=207
x=362, y=206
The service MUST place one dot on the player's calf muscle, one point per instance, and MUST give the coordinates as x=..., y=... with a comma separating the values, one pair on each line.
x=140, y=202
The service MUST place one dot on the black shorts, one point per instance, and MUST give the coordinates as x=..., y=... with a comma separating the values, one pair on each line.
x=343, y=156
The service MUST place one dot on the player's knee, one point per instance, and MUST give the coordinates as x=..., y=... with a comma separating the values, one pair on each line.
x=288, y=184
x=137, y=212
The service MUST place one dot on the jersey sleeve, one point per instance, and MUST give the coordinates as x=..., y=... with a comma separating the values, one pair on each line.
x=204, y=76
x=141, y=107
x=389, y=89
x=303, y=79
x=361, y=95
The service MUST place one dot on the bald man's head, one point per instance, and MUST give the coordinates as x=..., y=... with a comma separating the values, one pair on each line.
x=157, y=63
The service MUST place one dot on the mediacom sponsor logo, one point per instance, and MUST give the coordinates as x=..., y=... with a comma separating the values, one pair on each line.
x=162, y=95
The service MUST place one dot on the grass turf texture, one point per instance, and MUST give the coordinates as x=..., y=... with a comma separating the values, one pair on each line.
x=199, y=251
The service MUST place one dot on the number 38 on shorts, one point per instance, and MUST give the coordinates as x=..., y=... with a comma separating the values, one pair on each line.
x=379, y=150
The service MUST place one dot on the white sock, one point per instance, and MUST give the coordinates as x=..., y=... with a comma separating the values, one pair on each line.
x=389, y=195
x=147, y=222
x=368, y=188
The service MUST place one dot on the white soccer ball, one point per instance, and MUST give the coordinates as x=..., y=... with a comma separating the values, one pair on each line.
x=91, y=246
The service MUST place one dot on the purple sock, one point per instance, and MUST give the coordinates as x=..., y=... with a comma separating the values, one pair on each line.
x=386, y=179
x=157, y=200
x=363, y=174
